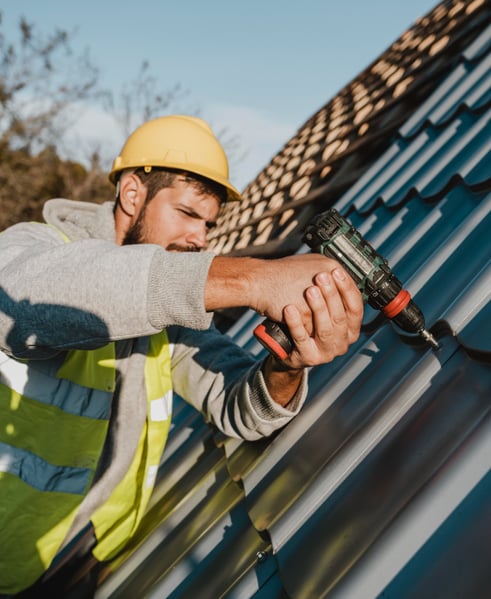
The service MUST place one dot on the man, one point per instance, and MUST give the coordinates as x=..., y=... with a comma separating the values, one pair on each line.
x=106, y=310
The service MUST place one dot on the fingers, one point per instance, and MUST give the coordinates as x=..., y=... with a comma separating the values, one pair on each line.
x=336, y=310
x=283, y=281
x=343, y=300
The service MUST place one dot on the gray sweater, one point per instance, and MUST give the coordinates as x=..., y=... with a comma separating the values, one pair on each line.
x=56, y=296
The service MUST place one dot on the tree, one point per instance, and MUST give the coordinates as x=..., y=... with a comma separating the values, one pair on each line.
x=141, y=99
x=44, y=85
x=41, y=79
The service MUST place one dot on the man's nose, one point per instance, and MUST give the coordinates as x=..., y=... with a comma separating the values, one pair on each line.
x=198, y=236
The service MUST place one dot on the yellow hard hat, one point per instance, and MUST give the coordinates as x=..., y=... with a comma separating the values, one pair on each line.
x=181, y=142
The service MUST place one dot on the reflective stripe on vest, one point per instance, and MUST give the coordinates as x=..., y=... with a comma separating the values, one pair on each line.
x=50, y=445
x=51, y=437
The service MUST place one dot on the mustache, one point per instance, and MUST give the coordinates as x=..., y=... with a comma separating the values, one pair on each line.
x=175, y=247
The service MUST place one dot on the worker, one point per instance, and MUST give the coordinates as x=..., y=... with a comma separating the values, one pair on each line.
x=106, y=311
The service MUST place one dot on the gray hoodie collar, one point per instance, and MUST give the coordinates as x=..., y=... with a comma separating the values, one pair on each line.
x=81, y=220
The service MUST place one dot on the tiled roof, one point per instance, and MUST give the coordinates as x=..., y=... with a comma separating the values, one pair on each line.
x=381, y=487
x=337, y=144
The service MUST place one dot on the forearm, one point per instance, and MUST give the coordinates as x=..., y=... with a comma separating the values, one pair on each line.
x=266, y=286
x=230, y=283
x=282, y=382
x=227, y=385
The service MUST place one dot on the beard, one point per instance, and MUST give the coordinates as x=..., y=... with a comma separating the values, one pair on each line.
x=136, y=235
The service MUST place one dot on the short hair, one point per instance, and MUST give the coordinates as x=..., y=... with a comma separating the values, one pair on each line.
x=158, y=178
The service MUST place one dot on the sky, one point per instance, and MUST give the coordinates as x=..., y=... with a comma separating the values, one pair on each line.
x=258, y=69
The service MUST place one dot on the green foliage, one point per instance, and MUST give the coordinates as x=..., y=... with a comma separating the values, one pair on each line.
x=27, y=181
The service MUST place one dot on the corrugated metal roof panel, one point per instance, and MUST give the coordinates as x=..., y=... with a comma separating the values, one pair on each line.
x=378, y=520
x=469, y=316
x=462, y=568
x=468, y=85
x=369, y=490
x=427, y=163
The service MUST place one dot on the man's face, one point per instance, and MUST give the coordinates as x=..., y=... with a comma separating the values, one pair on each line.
x=177, y=218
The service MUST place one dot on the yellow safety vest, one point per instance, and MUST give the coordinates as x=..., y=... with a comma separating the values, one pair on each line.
x=53, y=425
x=52, y=434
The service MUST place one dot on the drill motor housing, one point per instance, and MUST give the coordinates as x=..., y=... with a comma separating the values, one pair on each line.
x=331, y=235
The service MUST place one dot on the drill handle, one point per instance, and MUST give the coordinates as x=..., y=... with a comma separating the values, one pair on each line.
x=275, y=337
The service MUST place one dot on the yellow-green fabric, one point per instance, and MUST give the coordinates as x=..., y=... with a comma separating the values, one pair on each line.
x=98, y=373
x=51, y=452
x=116, y=521
x=49, y=456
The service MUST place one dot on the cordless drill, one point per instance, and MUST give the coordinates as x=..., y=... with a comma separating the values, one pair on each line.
x=333, y=236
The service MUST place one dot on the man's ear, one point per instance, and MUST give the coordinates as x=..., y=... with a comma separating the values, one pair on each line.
x=132, y=194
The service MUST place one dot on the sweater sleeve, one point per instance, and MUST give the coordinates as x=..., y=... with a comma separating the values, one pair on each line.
x=225, y=383
x=56, y=295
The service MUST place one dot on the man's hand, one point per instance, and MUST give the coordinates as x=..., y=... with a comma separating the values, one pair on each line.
x=312, y=294
x=336, y=313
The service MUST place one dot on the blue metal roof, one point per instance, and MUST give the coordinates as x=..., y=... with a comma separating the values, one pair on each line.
x=381, y=487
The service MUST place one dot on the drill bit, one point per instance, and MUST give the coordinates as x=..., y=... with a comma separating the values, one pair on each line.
x=429, y=338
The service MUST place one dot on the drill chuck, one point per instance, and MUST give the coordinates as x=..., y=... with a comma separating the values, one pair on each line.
x=333, y=236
